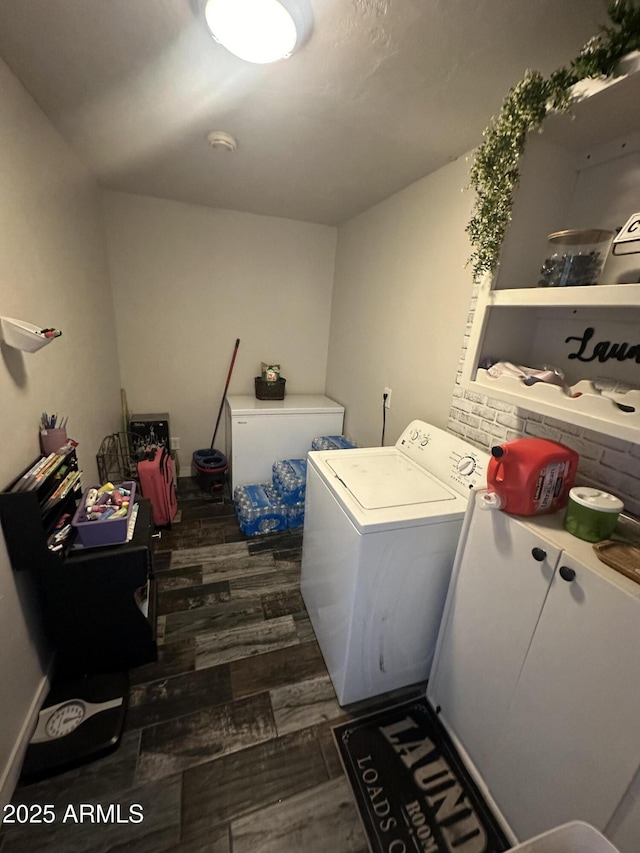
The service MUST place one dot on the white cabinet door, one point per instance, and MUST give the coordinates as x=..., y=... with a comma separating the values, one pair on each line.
x=500, y=581
x=570, y=744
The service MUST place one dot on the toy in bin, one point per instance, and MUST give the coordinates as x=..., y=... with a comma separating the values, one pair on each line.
x=103, y=514
x=269, y=385
x=270, y=372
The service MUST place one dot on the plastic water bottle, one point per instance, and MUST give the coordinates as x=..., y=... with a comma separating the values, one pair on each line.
x=290, y=479
x=332, y=442
x=259, y=509
x=295, y=515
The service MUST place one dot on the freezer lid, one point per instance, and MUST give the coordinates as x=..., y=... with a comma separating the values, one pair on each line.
x=293, y=404
x=380, y=481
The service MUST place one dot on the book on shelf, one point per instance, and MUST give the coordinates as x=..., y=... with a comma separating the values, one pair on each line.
x=21, y=484
x=43, y=468
x=69, y=482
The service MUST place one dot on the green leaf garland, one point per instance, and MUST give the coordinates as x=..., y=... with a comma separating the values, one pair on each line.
x=495, y=173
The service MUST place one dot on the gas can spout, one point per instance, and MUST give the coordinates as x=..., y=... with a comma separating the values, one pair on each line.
x=486, y=499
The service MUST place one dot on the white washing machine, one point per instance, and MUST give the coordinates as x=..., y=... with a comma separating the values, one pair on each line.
x=380, y=535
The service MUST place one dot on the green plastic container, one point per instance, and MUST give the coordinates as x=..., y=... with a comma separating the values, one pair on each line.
x=591, y=514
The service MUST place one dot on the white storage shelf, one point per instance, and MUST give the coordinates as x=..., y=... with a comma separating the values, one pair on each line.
x=581, y=171
x=24, y=336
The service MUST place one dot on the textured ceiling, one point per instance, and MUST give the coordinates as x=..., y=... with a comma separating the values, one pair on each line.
x=382, y=93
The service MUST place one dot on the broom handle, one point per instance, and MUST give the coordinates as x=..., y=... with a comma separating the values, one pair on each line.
x=224, y=396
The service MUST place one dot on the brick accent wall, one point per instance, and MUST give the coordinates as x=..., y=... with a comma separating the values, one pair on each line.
x=605, y=462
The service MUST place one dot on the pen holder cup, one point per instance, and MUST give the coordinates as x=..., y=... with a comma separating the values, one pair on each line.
x=52, y=439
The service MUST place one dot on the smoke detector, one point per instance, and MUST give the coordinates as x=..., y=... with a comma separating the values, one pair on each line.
x=221, y=140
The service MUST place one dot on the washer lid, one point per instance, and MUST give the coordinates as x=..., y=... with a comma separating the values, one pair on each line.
x=379, y=481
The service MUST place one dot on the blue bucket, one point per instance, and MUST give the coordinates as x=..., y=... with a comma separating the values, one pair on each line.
x=211, y=468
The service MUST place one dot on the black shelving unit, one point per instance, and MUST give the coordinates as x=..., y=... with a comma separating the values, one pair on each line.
x=26, y=523
x=88, y=595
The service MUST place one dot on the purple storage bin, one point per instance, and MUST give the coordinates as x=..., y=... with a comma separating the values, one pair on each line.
x=112, y=531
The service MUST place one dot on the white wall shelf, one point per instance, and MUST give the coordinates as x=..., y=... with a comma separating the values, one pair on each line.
x=25, y=336
x=582, y=171
x=590, y=410
x=602, y=294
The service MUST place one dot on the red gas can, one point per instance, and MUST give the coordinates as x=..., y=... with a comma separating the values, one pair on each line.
x=531, y=476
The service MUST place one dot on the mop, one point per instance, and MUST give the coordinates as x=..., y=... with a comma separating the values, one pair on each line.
x=211, y=464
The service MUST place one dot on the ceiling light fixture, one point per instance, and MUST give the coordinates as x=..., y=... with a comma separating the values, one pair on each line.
x=258, y=31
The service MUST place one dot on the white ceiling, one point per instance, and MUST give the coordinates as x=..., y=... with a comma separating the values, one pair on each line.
x=382, y=93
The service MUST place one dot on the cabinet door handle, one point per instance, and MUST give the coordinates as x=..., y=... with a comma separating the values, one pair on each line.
x=538, y=554
x=567, y=574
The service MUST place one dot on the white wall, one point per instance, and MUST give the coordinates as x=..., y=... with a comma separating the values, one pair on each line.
x=52, y=272
x=401, y=298
x=188, y=281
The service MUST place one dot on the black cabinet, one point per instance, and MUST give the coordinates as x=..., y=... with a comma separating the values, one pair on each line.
x=91, y=597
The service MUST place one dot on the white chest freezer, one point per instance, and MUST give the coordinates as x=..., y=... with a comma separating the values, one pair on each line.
x=261, y=432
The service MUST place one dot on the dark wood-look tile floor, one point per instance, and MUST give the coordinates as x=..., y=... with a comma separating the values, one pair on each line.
x=227, y=745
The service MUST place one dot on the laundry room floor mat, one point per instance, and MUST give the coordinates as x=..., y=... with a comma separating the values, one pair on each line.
x=411, y=787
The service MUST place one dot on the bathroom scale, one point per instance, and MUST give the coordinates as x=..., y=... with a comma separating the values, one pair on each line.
x=80, y=720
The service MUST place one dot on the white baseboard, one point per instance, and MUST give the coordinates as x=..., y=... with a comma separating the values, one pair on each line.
x=11, y=772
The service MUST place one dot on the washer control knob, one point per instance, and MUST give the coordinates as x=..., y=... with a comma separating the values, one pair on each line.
x=466, y=466
x=414, y=435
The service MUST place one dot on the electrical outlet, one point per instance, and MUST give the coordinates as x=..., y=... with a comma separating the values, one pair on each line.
x=175, y=443
x=387, y=402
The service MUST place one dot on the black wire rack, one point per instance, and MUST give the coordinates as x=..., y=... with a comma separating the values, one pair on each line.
x=118, y=457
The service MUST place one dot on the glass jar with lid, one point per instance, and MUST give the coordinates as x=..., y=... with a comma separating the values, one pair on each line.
x=577, y=259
